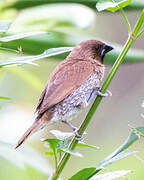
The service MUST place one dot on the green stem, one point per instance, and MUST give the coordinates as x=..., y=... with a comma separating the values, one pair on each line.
x=97, y=101
x=55, y=157
x=139, y=34
x=139, y=24
x=126, y=20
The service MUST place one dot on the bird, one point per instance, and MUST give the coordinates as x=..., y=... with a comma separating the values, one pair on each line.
x=71, y=87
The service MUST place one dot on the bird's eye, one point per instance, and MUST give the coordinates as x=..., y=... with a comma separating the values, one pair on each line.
x=97, y=47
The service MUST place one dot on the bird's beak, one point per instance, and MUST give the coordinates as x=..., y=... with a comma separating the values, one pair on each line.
x=106, y=49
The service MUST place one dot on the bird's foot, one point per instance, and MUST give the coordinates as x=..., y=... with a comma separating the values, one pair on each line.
x=78, y=137
x=96, y=92
x=75, y=131
x=108, y=93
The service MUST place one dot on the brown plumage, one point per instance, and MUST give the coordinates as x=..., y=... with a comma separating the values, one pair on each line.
x=70, y=85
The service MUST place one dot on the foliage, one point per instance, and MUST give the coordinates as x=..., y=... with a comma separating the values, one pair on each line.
x=111, y=5
x=54, y=41
x=22, y=4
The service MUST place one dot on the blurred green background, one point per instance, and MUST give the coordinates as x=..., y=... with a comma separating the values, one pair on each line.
x=65, y=25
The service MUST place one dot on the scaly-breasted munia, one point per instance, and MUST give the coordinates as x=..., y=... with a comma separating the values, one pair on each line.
x=71, y=86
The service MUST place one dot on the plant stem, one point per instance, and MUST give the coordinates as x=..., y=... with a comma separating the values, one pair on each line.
x=139, y=24
x=55, y=157
x=126, y=20
x=125, y=17
x=97, y=101
x=139, y=34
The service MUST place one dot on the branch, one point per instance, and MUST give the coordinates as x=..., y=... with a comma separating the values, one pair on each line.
x=105, y=86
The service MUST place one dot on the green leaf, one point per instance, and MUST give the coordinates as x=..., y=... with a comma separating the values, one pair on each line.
x=19, y=5
x=56, y=145
x=111, y=158
x=64, y=142
x=81, y=144
x=63, y=146
x=136, y=5
x=6, y=98
x=112, y=6
x=65, y=135
x=20, y=36
x=4, y=25
x=72, y=152
x=115, y=156
x=84, y=174
x=107, y=161
x=129, y=141
x=52, y=143
x=110, y=175
x=26, y=4
x=61, y=135
x=138, y=130
x=38, y=44
x=29, y=59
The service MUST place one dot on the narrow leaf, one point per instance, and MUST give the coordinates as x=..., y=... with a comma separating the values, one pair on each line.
x=28, y=59
x=81, y=144
x=84, y=174
x=135, y=5
x=67, y=150
x=61, y=146
x=4, y=25
x=115, y=156
x=6, y=98
x=129, y=141
x=19, y=36
x=112, y=6
x=118, y=157
x=52, y=143
x=110, y=175
x=38, y=44
x=139, y=130
x=32, y=3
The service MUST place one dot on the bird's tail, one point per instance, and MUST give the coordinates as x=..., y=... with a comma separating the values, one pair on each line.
x=38, y=124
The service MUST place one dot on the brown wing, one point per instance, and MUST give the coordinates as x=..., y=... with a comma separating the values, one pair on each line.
x=41, y=99
x=67, y=77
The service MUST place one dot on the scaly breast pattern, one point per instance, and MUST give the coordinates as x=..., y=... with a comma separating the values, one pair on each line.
x=69, y=105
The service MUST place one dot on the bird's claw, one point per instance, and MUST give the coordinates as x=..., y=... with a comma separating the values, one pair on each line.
x=78, y=137
x=97, y=92
x=107, y=93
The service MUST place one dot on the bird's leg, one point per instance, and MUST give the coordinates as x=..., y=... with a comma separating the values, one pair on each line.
x=75, y=130
x=70, y=125
x=98, y=93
